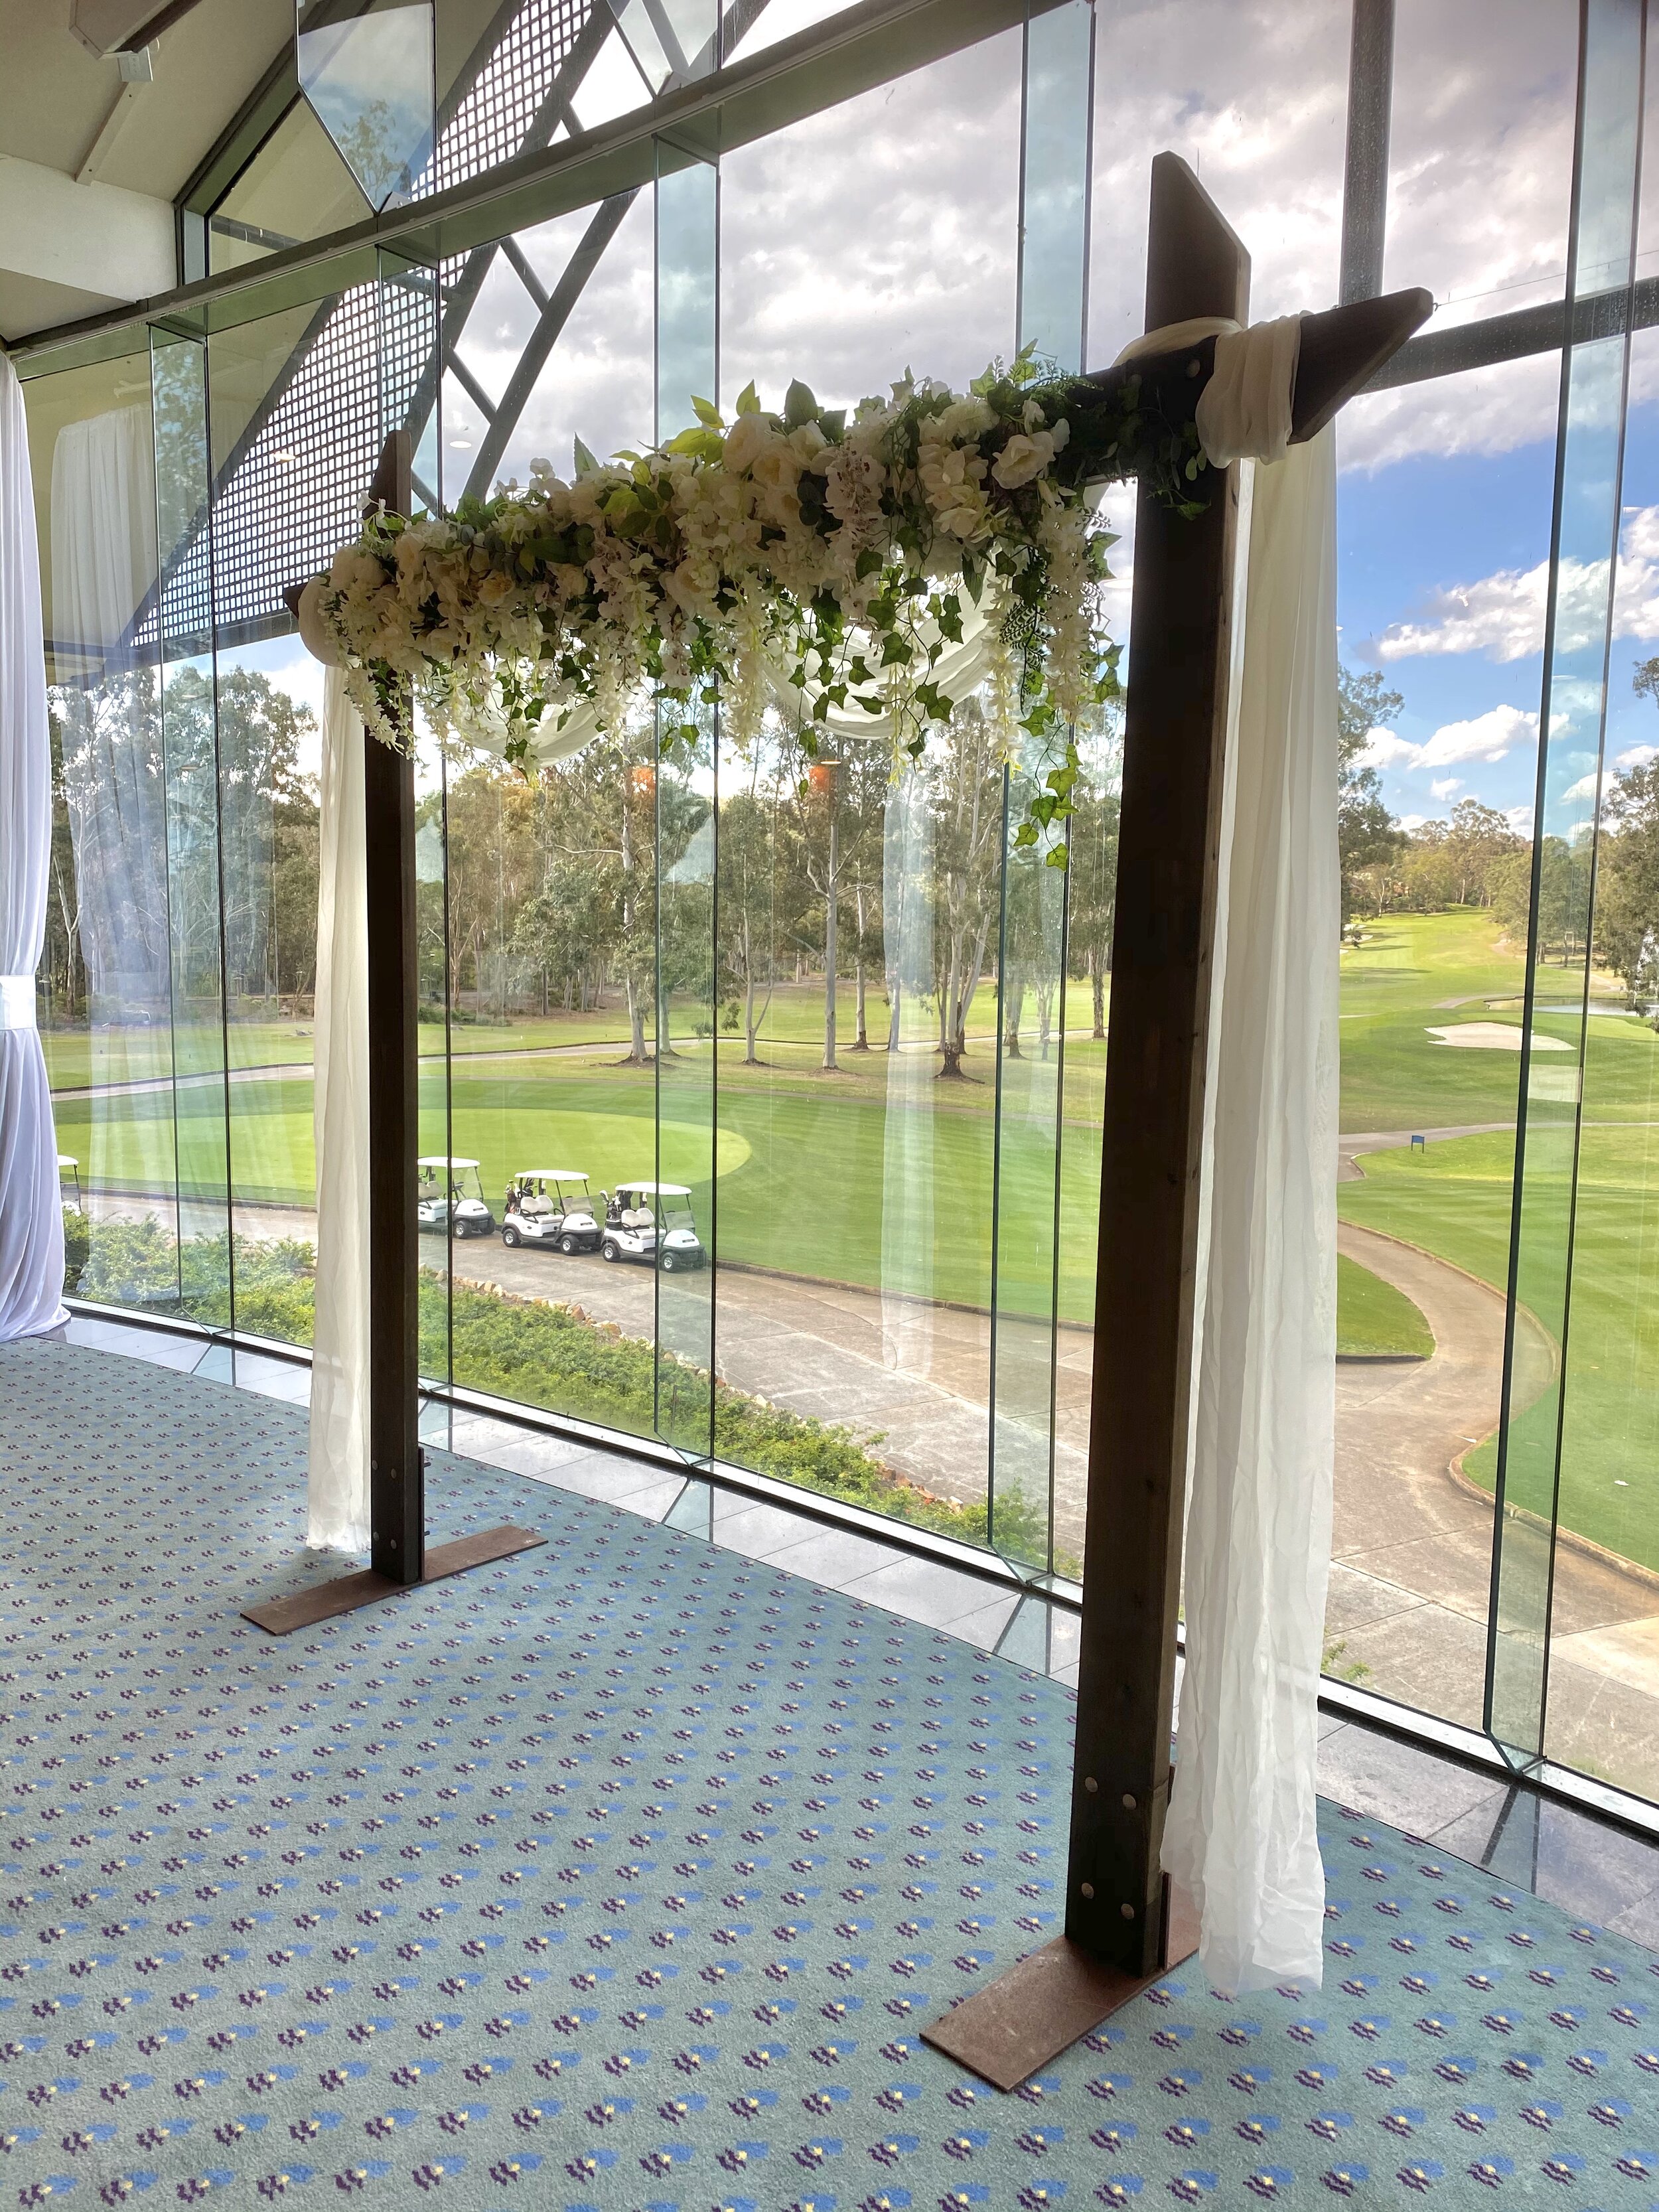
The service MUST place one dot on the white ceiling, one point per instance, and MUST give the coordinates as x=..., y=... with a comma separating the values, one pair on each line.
x=56, y=101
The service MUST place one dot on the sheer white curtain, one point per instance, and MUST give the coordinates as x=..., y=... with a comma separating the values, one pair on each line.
x=907, y=1177
x=1241, y=1831
x=103, y=567
x=31, y=1213
x=337, y=1491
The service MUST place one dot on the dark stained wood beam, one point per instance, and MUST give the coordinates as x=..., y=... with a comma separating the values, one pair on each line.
x=1125, y=1924
x=1342, y=349
x=399, y=1558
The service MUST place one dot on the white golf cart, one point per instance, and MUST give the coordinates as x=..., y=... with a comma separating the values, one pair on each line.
x=445, y=1201
x=551, y=1206
x=68, y=1165
x=651, y=1222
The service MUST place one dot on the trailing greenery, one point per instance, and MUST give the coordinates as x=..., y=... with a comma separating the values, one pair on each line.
x=539, y=1354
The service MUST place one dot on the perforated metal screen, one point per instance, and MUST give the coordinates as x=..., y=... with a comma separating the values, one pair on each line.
x=291, y=492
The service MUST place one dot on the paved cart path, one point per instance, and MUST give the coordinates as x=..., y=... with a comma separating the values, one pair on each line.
x=1412, y=1565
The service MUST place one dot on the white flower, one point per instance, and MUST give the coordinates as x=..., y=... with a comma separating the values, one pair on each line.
x=964, y=419
x=1023, y=458
x=749, y=436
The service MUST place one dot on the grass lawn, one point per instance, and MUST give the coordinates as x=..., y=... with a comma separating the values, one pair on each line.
x=1416, y=972
x=1372, y=1317
x=1455, y=1200
x=825, y=1175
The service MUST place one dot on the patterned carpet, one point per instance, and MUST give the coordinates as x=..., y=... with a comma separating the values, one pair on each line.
x=624, y=1875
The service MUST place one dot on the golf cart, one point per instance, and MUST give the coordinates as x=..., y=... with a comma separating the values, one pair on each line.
x=445, y=1200
x=651, y=1222
x=551, y=1206
x=68, y=1166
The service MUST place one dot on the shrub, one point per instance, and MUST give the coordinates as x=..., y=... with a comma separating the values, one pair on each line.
x=540, y=1354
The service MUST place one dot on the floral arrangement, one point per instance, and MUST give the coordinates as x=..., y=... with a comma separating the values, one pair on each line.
x=845, y=550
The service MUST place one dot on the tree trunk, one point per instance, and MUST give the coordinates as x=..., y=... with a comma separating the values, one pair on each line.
x=637, y=1051
x=893, y=992
x=1013, y=998
x=1045, y=1005
x=861, y=1043
x=1097, y=988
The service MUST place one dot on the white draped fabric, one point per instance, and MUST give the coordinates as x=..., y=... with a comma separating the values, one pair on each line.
x=103, y=567
x=337, y=1489
x=1241, y=1830
x=31, y=1213
x=906, y=1152
x=1240, y=1836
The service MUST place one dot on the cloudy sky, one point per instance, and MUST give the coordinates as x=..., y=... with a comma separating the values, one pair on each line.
x=882, y=234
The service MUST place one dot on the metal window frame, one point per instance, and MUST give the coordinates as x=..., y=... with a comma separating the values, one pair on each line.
x=862, y=46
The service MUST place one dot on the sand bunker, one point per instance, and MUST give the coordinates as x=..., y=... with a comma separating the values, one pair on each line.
x=1495, y=1037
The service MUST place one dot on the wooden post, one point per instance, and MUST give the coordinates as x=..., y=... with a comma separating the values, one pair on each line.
x=1124, y=1925
x=396, y=1488
x=1168, y=847
x=399, y=1554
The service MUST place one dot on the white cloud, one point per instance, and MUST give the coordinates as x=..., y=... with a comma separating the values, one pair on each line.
x=1412, y=821
x=1502, y=616
x=1635, y=755
x=1444, y=785
x=1585, y=788
x=1519, y=819
x=1488, y=737
x=1384, y=750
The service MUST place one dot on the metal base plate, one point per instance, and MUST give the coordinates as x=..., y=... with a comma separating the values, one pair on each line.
x=346, y=1593
x=1018, y=2023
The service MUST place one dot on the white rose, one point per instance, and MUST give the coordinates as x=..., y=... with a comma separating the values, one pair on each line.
x=776, y=467
x=1022, y=459
x=749, y=436
x=807, y=443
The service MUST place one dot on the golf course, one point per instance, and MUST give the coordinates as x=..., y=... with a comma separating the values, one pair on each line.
x=875, y=1174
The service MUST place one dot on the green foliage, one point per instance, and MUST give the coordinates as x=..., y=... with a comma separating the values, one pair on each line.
x=1368, y=836
x=1627, y=875
x=76, y=1244
x=551, y=1356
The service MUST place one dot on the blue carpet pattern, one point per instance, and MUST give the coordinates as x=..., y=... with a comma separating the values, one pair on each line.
x=624, y=1875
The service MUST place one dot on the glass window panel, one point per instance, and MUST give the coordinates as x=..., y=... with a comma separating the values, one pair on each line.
x=882, y=233
x=592, y=377
x=1256, y=98
x=109, y=1036
x=1480, y=153
x=1443, y=534
x=370, y=79
x=1531, y=1461
x=297, y=186
x=1603, y=1712
x=192, y=758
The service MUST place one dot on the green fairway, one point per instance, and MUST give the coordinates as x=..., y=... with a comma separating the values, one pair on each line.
x=1373, y=1319
x=1416, y=972
x=1455, y=1200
